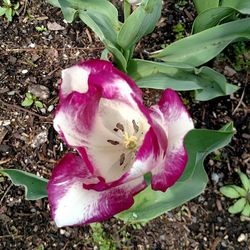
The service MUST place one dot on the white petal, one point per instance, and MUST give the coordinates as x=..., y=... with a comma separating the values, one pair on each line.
x=74, y=78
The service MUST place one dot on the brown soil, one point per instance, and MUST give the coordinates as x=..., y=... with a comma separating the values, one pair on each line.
x=30, y=57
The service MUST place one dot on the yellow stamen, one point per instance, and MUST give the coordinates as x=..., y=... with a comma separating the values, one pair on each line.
x=130, y=142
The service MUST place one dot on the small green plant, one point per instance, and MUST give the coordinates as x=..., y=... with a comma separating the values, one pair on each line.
x=242, y=205
x=181, y=3
x=30, y=100
x=100, y=237
x=179, y=30
x=9, y=10
x=41, y=28
x=242, y=59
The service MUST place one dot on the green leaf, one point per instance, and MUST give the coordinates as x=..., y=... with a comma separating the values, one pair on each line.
x=16, y=6
x=244, y=180
x=119, y=58
x=243, y=6
x=246, y=210
x=214, y=84
x=54, y=3
x=206, y=82
x=240, y=190
x=38, y=104
x=199, y=48
x=238, y=206
x=229, y=192
x=35, y=187
x=210, y=18
x=202, y=5
x=105, y=55
x=102, y=17
x=7, y=2
x=2, y=11
x=29, y=95
x=140, y=23
x=101, y=12
x=199, y=143
x=9, y=14
x=27, y=102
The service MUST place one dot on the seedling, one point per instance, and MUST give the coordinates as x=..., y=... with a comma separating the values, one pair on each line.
x=9, y=10
x=178, y=29
x=242, y=61
x=242, y=205
x=100, y=238
x=41, y=28
x=30, y=100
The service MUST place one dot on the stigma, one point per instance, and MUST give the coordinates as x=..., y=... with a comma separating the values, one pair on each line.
x=130, y=142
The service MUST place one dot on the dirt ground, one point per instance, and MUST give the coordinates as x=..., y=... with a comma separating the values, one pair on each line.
x=30, y=58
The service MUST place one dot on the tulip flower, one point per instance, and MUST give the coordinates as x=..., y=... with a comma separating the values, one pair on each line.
x=118, y=140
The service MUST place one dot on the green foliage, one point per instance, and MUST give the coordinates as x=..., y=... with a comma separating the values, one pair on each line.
x=9, y=10
x=211, y=17
x=30, y=100
x=202, y=5
x=35, y=187
x=140, y=23
x=206, y=82
x=204, y=46
x=199, y=143
x=242, y=57
x=102, y=17
x=41, y=28
x=243, y=193
x=242, y=6
x=225, y=11
x=100, y=238
x=179, y=29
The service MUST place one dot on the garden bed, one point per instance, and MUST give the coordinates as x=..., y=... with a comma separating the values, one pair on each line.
x=29, y=142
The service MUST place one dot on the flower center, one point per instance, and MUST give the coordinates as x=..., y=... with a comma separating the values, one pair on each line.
x=130, y=142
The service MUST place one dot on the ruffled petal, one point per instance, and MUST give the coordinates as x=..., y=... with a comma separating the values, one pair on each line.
x=71, y=204
x=174, y=119
x=97, y=121
x=74, y=78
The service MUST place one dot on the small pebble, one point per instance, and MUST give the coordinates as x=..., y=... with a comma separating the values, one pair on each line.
x=215, y=178
x=25, y=71
x=62, y=231
x=32, y=45
x=43, y=110
x=40, y=139
x=228, y=71
x=11, y=92
x=40, y=91
x=33, y=210
x=242, y=237
x=50, y=108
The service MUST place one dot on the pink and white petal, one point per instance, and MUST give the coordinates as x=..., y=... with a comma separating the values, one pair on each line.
x=88, y=120
x=113, y=83
x=173, y=117
x=75, y=117
x=74, y=78
x=146, y=157
x=71, y=204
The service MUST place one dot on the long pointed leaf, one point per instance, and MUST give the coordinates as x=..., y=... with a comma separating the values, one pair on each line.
x=243, y=6
x=202, y=5
x=200, y=48
x=206, y=82
x=35, y=186
x=140, y=23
